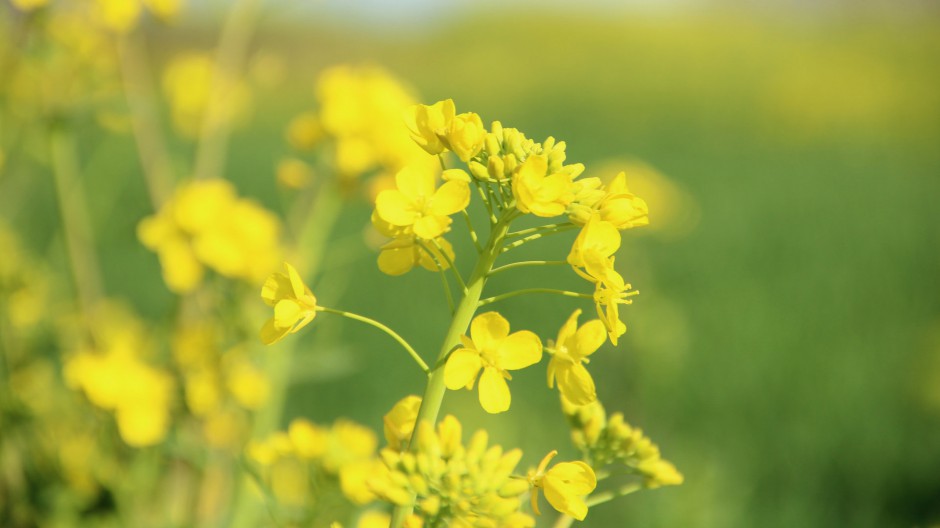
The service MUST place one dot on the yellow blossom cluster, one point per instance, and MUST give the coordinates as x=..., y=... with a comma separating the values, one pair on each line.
x=357, y=128
x=191, y=83
x=611, y=440
x=221, y=388
x=292, y=461
x=114, y=373
x=206, y=224
x=24, y=284
x=453, y=484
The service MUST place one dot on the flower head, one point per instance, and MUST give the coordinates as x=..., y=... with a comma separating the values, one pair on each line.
x=417, y=204
x=565, y=486
x=293, y=302
x=492, y=349
x=572, y=349
x=428, y=123
x=539, y=191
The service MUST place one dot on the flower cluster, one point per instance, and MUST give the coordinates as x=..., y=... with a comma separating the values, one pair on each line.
x=191, y=84
x=292, y=463
x=453, y=484
x=611, y=440
x=428, y=472
x=115, y=375
x=357, y=128
x=206, y=224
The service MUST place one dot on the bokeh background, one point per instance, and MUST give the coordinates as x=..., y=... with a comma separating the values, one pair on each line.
x=785, y=349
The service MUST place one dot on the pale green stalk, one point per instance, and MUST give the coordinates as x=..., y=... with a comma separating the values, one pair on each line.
x=391, y=333
x=466, y=308
x=527, y=291
x=527, y=263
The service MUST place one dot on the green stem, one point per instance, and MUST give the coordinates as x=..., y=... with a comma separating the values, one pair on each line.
x=76, y=225
x=526, y=263
x=515, y=293
x=473, y=233
x=450, y=264
x=434, y=392
x=232, y=47
x=561, y=228
x=486, y=202
x=394, y=335
x=531, y=230
x=443, y=274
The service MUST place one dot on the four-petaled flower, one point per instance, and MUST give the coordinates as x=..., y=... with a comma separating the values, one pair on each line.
x=492, y=349
x=293, y=302
x=415, y=203
x=539, y=192
x=573, y=347
x=565, y=486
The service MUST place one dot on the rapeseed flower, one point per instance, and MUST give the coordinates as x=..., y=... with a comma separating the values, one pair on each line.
x=428, y=124
x=494, y=351
x=573, y=347
x=418, y=204
x=565, y=486
x=399, y=423
x=539, y=191
x=405, y=251
x=293, y=302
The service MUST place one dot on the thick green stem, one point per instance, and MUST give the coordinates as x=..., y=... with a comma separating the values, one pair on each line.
x=466, y=308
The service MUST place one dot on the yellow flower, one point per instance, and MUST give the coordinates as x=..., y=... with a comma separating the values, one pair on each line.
x=539, y=192
x=609, y=294
x=573, y=347
x=565, y=486
x=596, y=243
x=304, y=131
x=403, y=252
x=415, y=203
x=309, y=440
x=622, y=208
x=465, y=136
x=294, y=173
x=495, y=351
x=293, y=302
x=428, y=124
x=400, y=421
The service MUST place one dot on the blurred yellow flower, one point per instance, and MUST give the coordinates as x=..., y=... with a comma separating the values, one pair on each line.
x=565, y=486
x=293, y=302
x=206, y=224
x=495, y=351
x=190, y=82
x=304, y=131
x=573, y=347
x=29, y=5
x=399, y=423
x=294, y=173
x=417, y=204
x=539, y=192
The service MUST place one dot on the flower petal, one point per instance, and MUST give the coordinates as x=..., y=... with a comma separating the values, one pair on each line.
x=576, y=383
x=589, y=338
x=431, y=227
x=568, y=329
x=287, y=312
x=494, y=392
x=487, y=328
x=414, y=182
x=296, y=283
x=397, y=260
x=462, y=368
x=271, y=334
x=519, y=350
x=396, y=208
x=450, y=198
x=275, y=288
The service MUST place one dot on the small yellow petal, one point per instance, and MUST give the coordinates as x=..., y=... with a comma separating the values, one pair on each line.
x=494, y=392
x=487, y=328
x=450, y=198
x=519, y=350
x=461, y=368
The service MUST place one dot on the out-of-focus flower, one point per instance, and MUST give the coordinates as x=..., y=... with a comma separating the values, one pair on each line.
x=190, y=82
x=400, y=421
x=293, y=302
x=206, y=224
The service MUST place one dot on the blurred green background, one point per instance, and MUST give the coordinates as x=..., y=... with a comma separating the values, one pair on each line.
x=785, y=349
